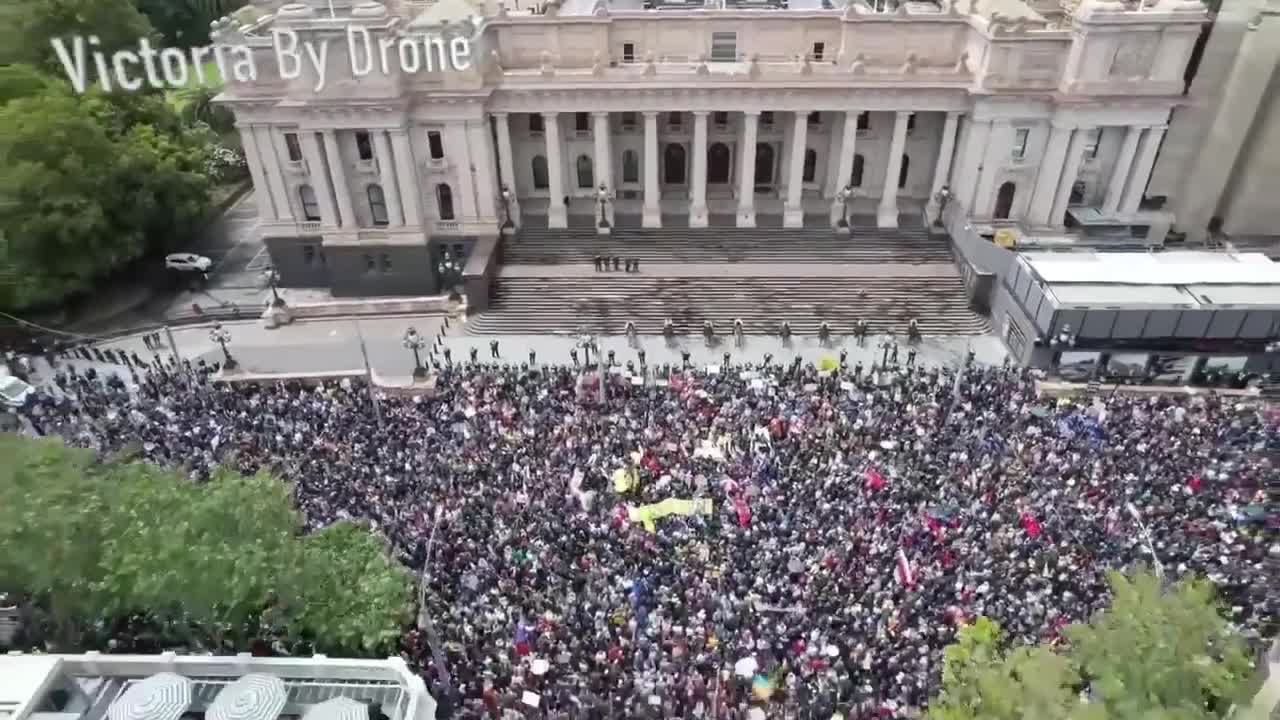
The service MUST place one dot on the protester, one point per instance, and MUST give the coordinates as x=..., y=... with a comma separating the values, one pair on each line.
x=854, y=525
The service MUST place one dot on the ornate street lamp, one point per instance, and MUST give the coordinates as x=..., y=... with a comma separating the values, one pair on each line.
x=222, y=336
x=272, y=277
x=506, y=208
x=602, y=195
x=415, y=342
x=942, y=197
x=844, y=195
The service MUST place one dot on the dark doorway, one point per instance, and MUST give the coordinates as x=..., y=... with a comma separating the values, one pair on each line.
x=673, y=165
x=1004, y=200
x=764, y=164
x=718, y=160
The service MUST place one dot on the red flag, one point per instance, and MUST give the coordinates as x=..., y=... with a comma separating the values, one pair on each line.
x=744, y=511
x=875, y=480
x=1194, y=483
x=1031, y=525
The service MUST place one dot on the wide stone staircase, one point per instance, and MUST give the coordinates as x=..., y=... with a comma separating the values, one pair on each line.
x=540, y=246
x=525, y=305
x=804, y=277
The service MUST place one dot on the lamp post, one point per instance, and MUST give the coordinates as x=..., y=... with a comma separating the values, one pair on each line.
x=507, y=223
x=1145, y=534
x=222, y=336
x=843, y=195
x=942, y=197
x=415, y=342
x=602, y=196
x=272, y=277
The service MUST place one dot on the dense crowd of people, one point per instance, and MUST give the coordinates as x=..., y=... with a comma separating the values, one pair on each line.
x=856, y=519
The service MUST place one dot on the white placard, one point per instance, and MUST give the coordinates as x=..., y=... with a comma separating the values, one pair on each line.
x=637, y=380
x=713, y=369
x=824, y=373
x=662, y=383
x=532, y=699
x=846, y=385
x=757, y=384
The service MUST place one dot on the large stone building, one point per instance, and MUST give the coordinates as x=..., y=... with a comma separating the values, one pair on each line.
x=1221, y=161
x=746, y=113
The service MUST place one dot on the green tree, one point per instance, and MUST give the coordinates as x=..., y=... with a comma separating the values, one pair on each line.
x=28, y=28
x=194, y=104
x=93, y=538
x=51, y=530
x=63, y=217
x=354, y=596
x=185, y=23
x=1161, y=651
x=1157, y=653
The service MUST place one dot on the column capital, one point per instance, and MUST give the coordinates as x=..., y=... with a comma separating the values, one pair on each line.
x=550, y=114
x=649, y=113
x=701, y=113
x=904, y=113
x=500, y=115
x=751, y=113
x=955, y=113
x=599, y=114
x=1064, y=125
x=1157, y=128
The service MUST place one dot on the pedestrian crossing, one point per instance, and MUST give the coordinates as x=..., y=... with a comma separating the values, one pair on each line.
x=605, y=303
x=541, y=246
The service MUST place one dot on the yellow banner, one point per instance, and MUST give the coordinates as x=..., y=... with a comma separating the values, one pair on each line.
x=647, y=514
x=624, y=480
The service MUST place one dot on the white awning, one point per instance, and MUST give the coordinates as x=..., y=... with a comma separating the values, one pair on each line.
x=163, y=696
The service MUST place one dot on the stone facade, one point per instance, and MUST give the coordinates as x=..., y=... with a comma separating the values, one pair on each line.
x=755, y=112
x=1223, y=154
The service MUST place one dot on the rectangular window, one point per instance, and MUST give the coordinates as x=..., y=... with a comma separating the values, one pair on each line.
x=721, y=119
x=818, y=50
x=1020, y=143
x=628, y=52
x=724, y=47
x=675, y=120
x=386, y=262
x=864, y=121
x=582, y=122
x=766, y=118
x=294, y=147
x=364, y=146
x=308, y=254
x=628, y=121
x=436, y=144
x=815, y=118
x=535, y=124
x=1092, y=140
x=370, y=265
x=911, y=123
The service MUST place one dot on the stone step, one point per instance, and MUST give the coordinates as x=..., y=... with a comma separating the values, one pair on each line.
x=604, y=305
x=551, y=250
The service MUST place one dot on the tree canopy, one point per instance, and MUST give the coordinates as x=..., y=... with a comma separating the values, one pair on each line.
x=91, y=538
x=1158, y=653
x=91, y=182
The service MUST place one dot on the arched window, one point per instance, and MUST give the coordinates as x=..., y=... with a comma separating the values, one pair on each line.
x=540, y=181
x=630, y=167
x=855, y=177
x=584, y=172
x=1004, y=200
x=718, y=163
x=377, y=205
x=810, y=165
x=673, y=164
x=310, y=208
x=764, y=164
x=902, y=174
x=444, y=201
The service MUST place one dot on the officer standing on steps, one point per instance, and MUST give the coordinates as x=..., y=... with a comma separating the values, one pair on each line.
x=684, y=357
x=640, y=354
x=611, y=356
x=635, y=265
x=617, y=262
x=533, y=357
x=573, y=355
x=475, y=354
x=448, y=356
x=493, y=348
x=598, y=261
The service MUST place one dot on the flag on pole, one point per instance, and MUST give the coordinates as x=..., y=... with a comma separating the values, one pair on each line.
x=902, y=570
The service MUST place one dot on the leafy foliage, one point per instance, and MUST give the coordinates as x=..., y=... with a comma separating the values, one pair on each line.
x=1158, y=650
x=355, y=597
x=91, y=539
x=1157, y=653
x=30, y=26
x=185, y=23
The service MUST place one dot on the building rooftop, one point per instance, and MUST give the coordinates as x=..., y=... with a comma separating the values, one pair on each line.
x=168, y=686
x=1165, y=268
